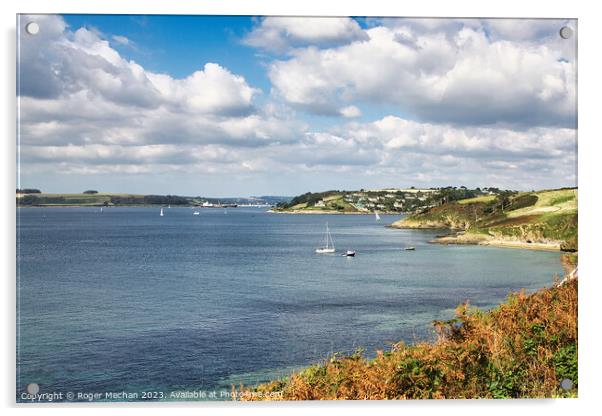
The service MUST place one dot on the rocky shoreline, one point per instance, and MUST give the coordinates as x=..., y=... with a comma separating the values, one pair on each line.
x=488, y=240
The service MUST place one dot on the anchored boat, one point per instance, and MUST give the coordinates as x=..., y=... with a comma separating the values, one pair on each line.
x=329, y=244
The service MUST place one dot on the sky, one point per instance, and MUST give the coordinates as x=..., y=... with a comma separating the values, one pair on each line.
x=241, y=106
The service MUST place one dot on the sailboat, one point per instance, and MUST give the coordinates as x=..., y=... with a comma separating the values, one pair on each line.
x=161, y=213
x=329, y=247
x=101, y=210
x=376, y=216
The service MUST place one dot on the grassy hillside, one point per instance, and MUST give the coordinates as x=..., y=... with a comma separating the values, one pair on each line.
x=522, y=349
x=63, y=199
x=546, y=217
x=331, y=202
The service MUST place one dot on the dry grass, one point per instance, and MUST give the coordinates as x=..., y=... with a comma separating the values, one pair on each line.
x=483, y=198
x=521, y=349
x=560, y=201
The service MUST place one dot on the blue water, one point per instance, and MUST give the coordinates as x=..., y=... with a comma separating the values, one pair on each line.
x=130, y=301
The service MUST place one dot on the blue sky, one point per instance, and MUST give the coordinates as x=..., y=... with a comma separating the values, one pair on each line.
x=179, y=45
x=238, y=105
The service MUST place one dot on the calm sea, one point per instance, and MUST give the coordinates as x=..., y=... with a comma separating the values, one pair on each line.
x=130, y=301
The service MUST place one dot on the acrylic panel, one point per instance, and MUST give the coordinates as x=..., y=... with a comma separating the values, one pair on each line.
x=217, y=208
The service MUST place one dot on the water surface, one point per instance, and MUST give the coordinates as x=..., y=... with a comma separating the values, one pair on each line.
x=127, y=300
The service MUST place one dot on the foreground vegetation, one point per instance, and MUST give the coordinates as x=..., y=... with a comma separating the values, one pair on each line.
x=523, y=348
x=546, y=217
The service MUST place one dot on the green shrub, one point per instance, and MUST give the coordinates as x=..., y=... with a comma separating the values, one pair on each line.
x=523, y=348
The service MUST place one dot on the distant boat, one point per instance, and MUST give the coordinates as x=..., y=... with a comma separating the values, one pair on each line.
x=410, y=248
x=196, y=213
x=101, y=210
x=329, y=244
x=349, y=253
x=161, y=213
x=376, y=216
x=169, y=206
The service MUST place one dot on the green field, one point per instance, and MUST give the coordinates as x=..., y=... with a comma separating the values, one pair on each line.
x=66, y=199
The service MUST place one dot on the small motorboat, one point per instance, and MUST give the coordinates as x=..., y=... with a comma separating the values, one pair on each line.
x=196, y=213
x=349, y=253
x=411, y=248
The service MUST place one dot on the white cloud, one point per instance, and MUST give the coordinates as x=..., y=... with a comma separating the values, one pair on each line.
x=396, y=134
x=81, y=61
x=212, y=90
x=91, y=95
x=406, y=151
x=122, y=40
x=350, y=111
x=278, y=34
x=466, y=78
x=388, y=151
x=86, y=110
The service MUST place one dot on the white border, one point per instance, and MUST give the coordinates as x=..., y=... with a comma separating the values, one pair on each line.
x=590, y=203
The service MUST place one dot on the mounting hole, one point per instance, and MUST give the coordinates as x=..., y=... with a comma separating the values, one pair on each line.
x=566, y=32
x=566, y=384
x=33, y=388
x=32, y=28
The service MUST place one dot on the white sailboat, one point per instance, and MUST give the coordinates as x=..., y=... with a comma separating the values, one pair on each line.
x=329, y=244
x=161, y=213
x=376, y=216
x=101, y=210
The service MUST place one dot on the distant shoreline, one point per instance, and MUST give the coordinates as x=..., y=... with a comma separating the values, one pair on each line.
x=138, y=206
x=316, y=212
x=104, y=206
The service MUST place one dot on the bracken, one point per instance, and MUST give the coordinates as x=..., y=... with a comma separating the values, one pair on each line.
x=523, y=348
